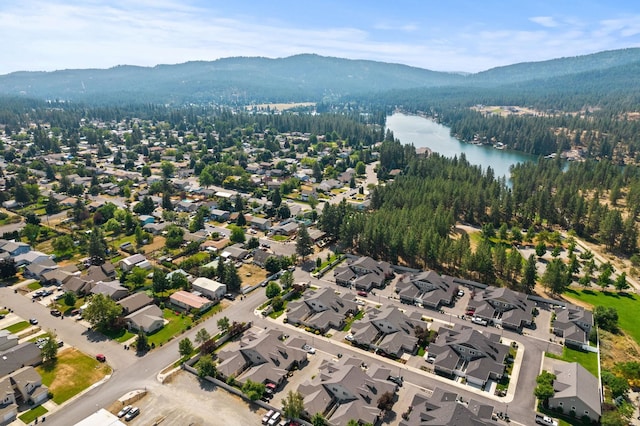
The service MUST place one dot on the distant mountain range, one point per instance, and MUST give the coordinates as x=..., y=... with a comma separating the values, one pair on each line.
x=297, y=78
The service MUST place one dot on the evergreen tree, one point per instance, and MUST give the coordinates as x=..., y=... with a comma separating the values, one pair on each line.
x=97, y=246
x=529, y=275
x=304, y=243
x=159, y=283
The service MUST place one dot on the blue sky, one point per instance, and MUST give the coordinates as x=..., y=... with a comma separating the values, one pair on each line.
x=453, y=35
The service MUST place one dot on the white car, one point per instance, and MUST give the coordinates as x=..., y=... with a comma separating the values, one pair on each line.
x=478, y=320
x=349, y=337
x=124, y=410
x=309, y=349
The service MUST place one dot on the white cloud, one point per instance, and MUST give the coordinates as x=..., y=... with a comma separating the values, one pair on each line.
x=57, y=34
x=545, y=21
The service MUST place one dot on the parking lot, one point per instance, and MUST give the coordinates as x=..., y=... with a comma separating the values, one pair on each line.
x=184, y=400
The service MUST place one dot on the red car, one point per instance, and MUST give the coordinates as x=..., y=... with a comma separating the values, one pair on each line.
x=101, y=358
x=363, y=293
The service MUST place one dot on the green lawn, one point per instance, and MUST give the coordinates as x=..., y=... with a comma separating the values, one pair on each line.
x=588, y=360
x=119, y=336
x=276, y=314
x=71, y=374
x=34, y=286
x=350, y=320
x=176, y=325
x=279, y=238
x=18, y=327
x=31, y=415
x=626, y=304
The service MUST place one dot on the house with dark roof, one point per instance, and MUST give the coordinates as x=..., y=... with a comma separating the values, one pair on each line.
x=262, y=357
x=235, y=252
x=260, y=257
x=16, y=357
x=465, y=352
x=345, y=391
x=445, y=408
x=113, y=289
x=32, y=256
x=36, y=270
x=136, y=301
x=8, y=405
x=28, y=384
x=148, y=319
x=576, y=390
x=363, y=273
x=427, y=289
x=503, y=306
x=287, y=229
x=58, y=276
x=260, y=223
x=14, y=248
x=388, y=330
x=573, y=324
x=321, y=310
x=7, y=340
x=77, y=285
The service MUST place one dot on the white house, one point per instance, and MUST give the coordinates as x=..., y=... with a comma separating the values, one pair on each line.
x=209, y=288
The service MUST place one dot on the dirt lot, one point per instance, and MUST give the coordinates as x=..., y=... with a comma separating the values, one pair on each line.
x=257, y=274
x=187, y=401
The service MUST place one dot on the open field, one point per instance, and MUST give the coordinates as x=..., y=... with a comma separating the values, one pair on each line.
x=71, y=374
x=625, y=303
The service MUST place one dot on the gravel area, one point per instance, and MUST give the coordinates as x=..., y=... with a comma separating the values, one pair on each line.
x=187, y=401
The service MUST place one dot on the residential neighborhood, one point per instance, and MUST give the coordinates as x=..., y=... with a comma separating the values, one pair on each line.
x=230, y=272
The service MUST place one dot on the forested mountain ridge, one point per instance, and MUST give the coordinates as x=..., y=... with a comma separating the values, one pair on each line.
x=305, y=77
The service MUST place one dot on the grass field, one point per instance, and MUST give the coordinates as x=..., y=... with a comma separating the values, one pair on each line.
x=588, y=360
x=71, y=374
x=625, y=303
x=31, y=415
x=34, y=286
x=18, y=327
x=176, y=325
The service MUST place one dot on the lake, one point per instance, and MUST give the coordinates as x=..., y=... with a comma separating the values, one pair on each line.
x=424, y=132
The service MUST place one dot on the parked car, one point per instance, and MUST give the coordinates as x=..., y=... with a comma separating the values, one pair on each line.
x=275, y=419
x=267, y=416
x=132, y=413
x=349, y=337
x=479, y=321
x=363, y=293
x=56, y=312
x=398, y=380
x=545, y=420
x=33, y=321
x=229, y=296
x=124, y=410
x=309, y=349
x=101, y=357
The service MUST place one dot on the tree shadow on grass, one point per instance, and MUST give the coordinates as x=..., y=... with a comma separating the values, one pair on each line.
x=49, y=365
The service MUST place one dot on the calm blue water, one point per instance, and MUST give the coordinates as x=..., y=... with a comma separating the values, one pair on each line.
x=423, y=132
